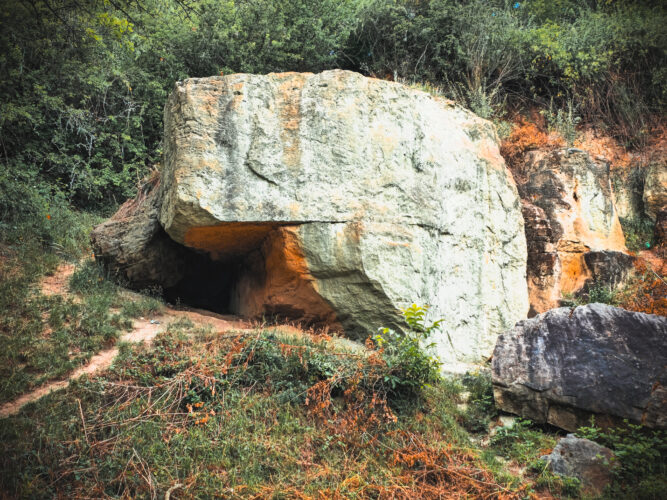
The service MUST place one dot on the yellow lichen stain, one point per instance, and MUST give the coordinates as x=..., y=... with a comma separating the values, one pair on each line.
x=289, y=113
x=294, y=208
x=237, y=92
x=398, y=244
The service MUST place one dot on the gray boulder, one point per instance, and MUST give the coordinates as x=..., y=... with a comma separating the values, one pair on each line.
x=583, y=459
x=567, y=364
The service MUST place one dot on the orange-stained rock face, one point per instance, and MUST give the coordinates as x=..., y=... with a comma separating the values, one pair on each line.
x=278, y=282
x=569, y=212
x=274, y=279
x=229, y=239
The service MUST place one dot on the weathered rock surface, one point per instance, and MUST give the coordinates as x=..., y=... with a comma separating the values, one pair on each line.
x=565, y=365
x=655, y=189
x=569, y=212
x=660, y=233
x=134, y=246
x=341, y=199
x=613, y=269
x=583, y=459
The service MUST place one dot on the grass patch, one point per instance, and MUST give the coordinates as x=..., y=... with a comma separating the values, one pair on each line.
x=144, y=305
x=46, y=337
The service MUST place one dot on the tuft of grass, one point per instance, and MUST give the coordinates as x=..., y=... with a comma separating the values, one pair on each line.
x=143, y=306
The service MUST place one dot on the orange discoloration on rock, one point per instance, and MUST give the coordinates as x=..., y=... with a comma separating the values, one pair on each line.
x=233, y=238
x=574, y=272
x=284, y=286
x=276, y=279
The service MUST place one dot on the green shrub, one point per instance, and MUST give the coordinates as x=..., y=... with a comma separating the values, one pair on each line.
x=409, y=365
x=638, y=232
x=642, y=458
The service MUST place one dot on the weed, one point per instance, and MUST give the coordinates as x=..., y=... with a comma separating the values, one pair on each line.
x=481, y=409
x=522, y=441
x=563, y=121
x=600, y=293
x=143, y=306
x=596, y=292
x=409, y=365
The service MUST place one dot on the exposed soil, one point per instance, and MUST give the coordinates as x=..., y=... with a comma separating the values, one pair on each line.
x=143, y=330
x=56, y=284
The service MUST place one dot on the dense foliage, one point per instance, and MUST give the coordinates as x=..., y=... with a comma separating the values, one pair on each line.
x=83, y=83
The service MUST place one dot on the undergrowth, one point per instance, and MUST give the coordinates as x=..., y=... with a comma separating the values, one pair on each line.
x=252, y=414
x=642, y=459
x=45, y=337
x=638, y=233
x=646, y=292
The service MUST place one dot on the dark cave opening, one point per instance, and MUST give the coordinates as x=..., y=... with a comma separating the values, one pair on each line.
x=206, y=283
x=252, y=270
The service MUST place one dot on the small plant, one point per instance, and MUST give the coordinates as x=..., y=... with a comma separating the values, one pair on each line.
x=596, y=292
x=481, y=408
x=410, y=367
x=563, y=121
x=522, y=441
x=600, y=293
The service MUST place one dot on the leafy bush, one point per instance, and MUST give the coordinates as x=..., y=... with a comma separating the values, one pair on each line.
x=409, y=365
x=642, y=458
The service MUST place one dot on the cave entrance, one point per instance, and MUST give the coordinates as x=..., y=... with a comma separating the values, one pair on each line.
x=253, y=270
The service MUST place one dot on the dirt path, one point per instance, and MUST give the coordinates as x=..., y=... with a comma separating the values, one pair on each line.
x=143, y=330
x=56, y=284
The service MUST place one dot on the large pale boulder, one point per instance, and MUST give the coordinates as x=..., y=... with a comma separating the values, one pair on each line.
x=565, y=365
x=569, y=212
x=339, y=199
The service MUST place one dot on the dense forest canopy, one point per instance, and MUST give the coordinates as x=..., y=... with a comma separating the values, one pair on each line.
x=84, y=82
